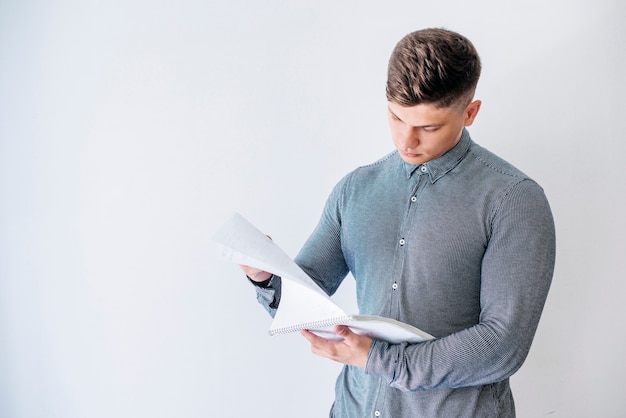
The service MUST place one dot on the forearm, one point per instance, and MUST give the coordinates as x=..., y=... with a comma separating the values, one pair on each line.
x=487, y=352
x=479, y=355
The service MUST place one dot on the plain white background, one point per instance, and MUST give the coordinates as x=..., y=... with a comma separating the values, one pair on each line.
x=129, y=130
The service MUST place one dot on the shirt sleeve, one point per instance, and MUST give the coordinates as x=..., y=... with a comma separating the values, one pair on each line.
x=517, y=270
x=321, y=257
x=269, y=295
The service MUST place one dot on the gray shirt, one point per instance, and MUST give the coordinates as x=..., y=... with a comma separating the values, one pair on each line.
x=461, y=247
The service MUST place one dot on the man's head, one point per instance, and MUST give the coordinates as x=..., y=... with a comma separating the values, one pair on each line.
x=430, y=86
x=433, y=66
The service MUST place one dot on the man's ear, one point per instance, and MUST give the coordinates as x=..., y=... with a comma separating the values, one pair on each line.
x=471, y=111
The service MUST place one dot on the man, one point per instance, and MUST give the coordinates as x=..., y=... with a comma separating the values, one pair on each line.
x=440, y=234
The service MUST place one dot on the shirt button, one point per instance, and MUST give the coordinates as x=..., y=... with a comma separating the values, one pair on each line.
x=413, y=199
x=424, y=169
x=402, y=241
x=394, y=286
x=377, y=413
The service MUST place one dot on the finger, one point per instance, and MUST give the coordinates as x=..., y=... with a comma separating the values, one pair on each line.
x=320, y=345
x=314, y=339
x=344, y=331
x=308, y=335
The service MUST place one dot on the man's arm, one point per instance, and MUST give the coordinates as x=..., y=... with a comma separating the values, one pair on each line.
x=516, y=273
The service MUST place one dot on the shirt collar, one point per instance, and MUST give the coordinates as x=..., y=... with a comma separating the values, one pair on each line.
x=438, y=167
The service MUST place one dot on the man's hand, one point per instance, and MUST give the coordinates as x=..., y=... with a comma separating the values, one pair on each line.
x=255, y=274
x=352, y=350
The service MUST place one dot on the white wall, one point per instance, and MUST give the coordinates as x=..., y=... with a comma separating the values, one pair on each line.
x=130, y=129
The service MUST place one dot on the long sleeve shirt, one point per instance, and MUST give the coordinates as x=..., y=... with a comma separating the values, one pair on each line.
x=462, y=247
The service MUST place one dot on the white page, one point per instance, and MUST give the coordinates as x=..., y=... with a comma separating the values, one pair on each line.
x=240, y=242
x=299, y=305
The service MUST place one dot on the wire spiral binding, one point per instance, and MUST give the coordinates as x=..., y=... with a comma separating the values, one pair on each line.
x=313, y=325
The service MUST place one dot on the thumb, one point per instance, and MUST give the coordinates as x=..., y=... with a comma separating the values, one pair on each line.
x=343, y=331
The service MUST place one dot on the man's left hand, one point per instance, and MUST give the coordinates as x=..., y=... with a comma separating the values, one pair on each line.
x=352, y=350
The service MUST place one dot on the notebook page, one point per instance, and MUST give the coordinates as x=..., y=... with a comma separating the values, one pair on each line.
x=240, y=242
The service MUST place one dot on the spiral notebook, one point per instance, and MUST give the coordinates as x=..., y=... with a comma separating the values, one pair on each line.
x=303, y=304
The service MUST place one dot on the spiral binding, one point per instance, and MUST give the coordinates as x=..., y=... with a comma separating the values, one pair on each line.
x=313, y=325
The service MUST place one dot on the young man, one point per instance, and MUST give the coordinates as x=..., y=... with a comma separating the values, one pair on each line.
x=440, y=234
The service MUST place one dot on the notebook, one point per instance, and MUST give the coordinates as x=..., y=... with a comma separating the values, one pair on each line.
x=303, y=304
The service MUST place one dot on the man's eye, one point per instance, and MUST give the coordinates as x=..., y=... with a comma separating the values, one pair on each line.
x=431, y=128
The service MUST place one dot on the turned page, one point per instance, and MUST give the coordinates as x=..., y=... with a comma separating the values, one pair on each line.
x=302, y=301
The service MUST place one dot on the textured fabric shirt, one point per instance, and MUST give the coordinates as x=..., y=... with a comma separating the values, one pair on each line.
x=461, y=247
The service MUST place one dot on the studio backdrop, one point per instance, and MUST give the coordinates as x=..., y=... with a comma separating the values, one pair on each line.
x=130, y=130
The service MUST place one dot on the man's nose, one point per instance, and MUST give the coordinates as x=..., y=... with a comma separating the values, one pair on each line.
x=409, y=137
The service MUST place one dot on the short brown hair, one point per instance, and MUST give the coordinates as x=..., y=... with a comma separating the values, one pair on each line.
x=435, y=66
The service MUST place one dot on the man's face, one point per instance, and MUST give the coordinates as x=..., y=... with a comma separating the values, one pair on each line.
x=424, y=132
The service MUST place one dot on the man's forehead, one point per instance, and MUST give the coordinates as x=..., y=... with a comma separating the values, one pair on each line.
x=423, y=114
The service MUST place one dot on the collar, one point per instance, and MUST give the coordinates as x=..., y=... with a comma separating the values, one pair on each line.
x=440, y=166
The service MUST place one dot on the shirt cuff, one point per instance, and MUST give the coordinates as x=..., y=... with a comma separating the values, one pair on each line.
x=381, y=360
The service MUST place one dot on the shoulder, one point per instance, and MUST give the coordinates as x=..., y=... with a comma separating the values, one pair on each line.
x=498, y=182
x=493, y=164
x=510, y=191
x=385, y=164
x=373, y=175
x=495, y=172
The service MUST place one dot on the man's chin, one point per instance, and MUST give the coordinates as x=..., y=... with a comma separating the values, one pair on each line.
x=415, y=159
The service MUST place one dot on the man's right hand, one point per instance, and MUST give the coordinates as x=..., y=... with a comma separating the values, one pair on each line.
x=255, y=274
